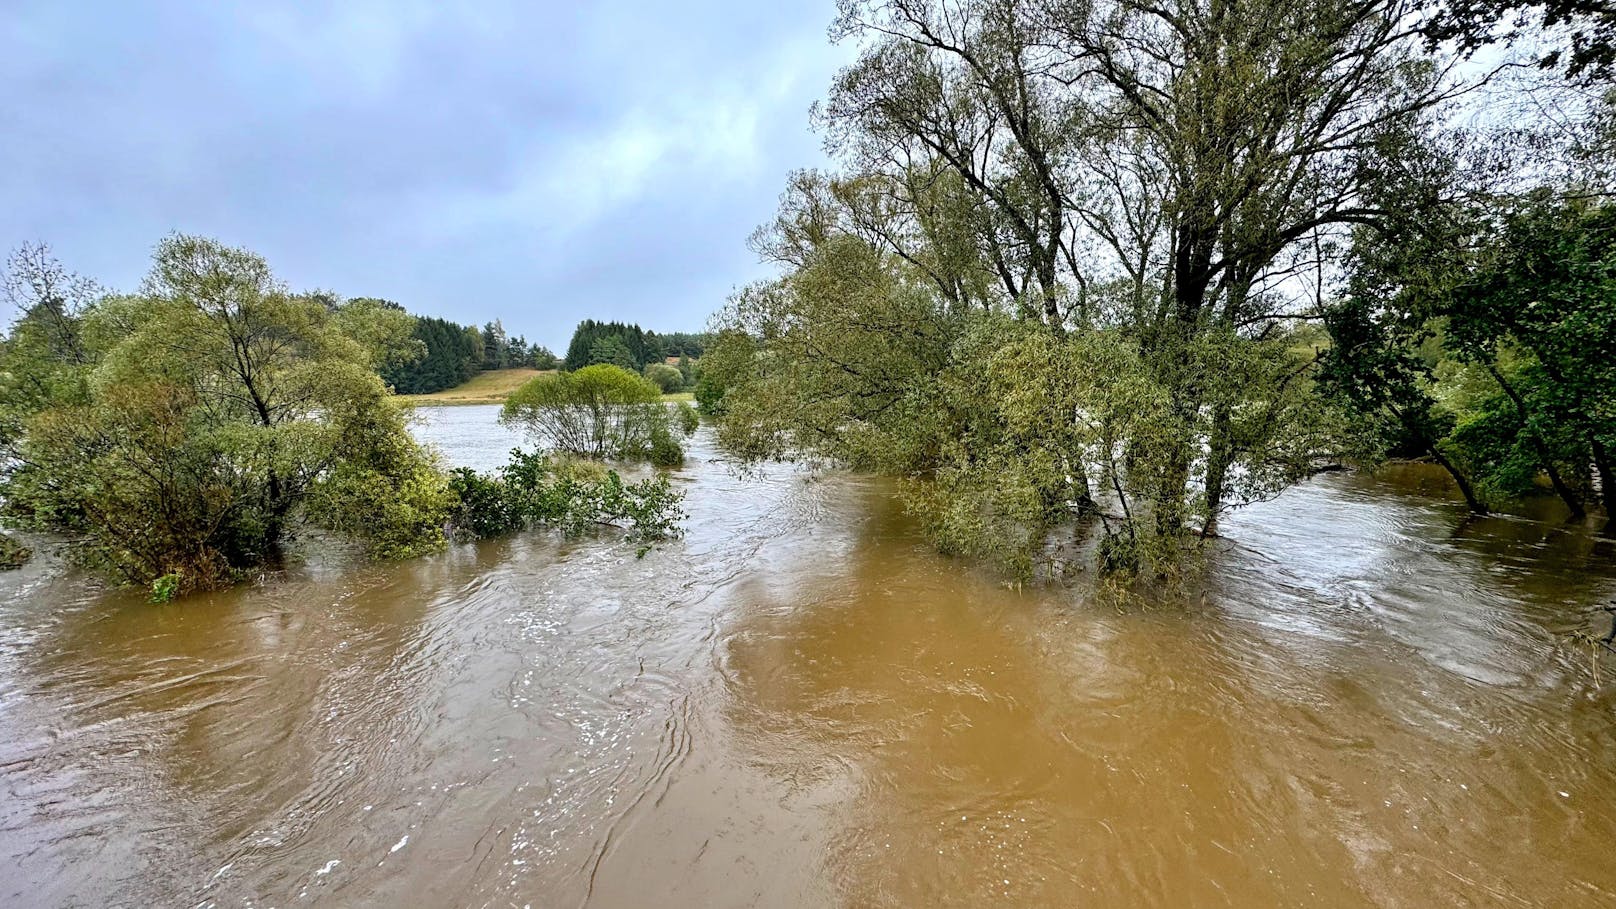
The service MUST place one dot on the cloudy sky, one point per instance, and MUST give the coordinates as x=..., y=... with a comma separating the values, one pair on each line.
x=536, y=162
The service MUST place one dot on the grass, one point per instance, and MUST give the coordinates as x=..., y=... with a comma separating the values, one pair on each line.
x=493, y=387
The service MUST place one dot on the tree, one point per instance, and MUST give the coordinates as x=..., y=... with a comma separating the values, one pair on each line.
x=209, y=411
x=611, y=350
x=633, y=338
x=453, y=354
x=384, y=328
x=1543, y=299
x=42, y=359
x=541, y=358
x=1159, y=188
x=495, y=354
x=1586, y=30
x=600, y=412
x=667, y=378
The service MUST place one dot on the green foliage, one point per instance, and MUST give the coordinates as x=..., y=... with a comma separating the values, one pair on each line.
x=191, y=426
x=611, y=351
x=644, y=347
x=1005, y=428
x=383, y=329
x=668, y=378
x=167, y=587
x=689, y=419
x=599, y=412
x=452, y=354
x=12, y=553
x=709, y=395
x=382, y=488
x=537, y=490
x=1492, y=348
x=664, y=451
x=581, y=351
x=539, y=357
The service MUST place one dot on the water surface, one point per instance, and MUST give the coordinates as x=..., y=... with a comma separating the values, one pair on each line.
x=800, y=704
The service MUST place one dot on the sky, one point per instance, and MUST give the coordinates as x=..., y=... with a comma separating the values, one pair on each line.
x=539, y=163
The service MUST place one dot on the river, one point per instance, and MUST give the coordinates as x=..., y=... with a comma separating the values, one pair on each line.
x=800, y=704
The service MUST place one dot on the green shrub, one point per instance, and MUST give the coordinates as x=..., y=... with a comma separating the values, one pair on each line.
x=12, y=553
x=166, y=587
x=538, y=490
x=600, y=412
x=668, y=378
x=689, y=419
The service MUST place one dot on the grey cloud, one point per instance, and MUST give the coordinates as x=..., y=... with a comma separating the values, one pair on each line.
x=537, y=163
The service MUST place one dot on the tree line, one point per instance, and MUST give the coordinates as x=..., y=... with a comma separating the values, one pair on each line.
x=628, y=346
x=450, y=354
x=1132, y=266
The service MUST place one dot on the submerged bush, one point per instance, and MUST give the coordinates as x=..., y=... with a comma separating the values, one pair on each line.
x=689, y=419
x=183, y=433
x=12, y=553
x=601, y=412
x=538, y=490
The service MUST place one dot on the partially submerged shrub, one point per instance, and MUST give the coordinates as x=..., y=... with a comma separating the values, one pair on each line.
x=12, y=553
x=601, y=412
x=165, y=588
x=689, y=418
x=538, y=490
x=664, y=451
x=184, y=432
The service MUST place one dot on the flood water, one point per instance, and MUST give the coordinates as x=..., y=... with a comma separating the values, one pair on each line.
x=799, y=704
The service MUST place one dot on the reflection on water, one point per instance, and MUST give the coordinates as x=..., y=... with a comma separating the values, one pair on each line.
x=801, y=704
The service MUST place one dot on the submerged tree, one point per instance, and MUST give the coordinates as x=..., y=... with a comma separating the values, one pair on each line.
x=1163, y=189
x=601, y=412
x=204, y=414
x=1538, y=315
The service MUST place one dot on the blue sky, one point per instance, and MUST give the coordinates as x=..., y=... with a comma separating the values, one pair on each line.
x=540, y=163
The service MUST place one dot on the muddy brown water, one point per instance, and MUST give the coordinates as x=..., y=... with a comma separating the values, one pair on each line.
x=801, y=705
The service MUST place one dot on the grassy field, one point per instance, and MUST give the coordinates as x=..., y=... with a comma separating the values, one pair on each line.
x=493, y=387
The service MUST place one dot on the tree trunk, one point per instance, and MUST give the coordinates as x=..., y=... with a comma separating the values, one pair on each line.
x=1217, y=468
x=1607, y=477
x=1560, y=488
x=1458, y=477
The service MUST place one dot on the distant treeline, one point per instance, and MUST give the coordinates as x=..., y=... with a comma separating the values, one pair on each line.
x=449, y=353
x=629, y=346
x=453, y=353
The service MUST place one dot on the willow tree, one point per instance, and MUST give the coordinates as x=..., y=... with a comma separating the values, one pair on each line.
x=1177, y=178
x=190, y=427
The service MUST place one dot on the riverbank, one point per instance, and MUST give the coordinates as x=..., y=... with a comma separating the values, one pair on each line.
x=493, y=387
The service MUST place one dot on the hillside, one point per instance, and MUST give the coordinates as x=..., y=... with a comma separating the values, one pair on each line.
x=490, y=387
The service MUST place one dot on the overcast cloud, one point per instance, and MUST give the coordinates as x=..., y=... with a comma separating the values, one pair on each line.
x=540, y=163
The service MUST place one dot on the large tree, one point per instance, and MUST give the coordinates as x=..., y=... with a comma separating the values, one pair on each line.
x=204, y=416
x=1162, y=188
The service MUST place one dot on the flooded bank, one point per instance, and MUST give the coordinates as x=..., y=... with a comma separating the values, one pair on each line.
x=800, y=704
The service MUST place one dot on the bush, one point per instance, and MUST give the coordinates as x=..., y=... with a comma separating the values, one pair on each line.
x=689, y=419
x=664, y=451
x=599, y=412
x=709, y=393
x=12, y=553
x=668, y=378
x=537, y=490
